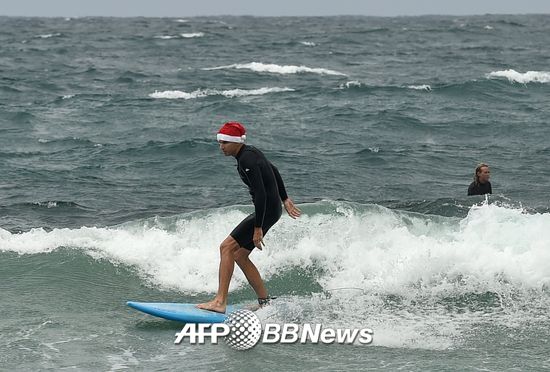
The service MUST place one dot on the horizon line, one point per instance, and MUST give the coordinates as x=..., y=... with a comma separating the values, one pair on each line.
x=276, y=16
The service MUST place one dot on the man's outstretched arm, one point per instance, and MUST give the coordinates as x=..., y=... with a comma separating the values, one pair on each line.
x=291, y=209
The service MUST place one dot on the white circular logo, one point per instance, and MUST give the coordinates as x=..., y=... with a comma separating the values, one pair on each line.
x=245, y=329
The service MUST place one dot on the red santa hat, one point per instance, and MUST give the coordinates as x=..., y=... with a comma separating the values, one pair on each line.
x=232, y=132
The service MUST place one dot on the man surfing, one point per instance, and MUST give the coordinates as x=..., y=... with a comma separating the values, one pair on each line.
x=267, y=190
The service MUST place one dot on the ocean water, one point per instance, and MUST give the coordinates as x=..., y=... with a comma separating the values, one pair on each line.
x=113, y=187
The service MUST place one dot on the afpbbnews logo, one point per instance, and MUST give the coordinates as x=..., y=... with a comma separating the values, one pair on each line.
x=242, y=330
x=291, y=333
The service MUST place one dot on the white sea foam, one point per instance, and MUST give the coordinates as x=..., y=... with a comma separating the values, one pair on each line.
x=377, y=249
x=350, y=84
x=47, y=36
x=185, y=36
x=48, y=204
x=359, y=255
x=182, y=20
x=68, y=96
x=178, y=94
x=308, y=43
x=192, y=35
x=199, y=93
x=253, y=92
x=488, y=27
x=523, y=78
x=277, y=69
x=356, y=84
x=420, y=87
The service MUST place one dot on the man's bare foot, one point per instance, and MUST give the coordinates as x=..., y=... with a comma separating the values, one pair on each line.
x=214, y=305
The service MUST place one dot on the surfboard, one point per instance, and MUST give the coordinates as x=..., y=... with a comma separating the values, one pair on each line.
x=187, y=313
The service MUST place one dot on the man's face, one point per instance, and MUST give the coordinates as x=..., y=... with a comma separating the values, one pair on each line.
x=229, y=148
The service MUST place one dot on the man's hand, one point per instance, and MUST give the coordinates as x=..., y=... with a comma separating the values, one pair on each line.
x=291, y=209
x=258, y=238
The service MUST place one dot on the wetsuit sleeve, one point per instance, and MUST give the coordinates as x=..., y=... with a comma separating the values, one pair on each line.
x=253, y=173
x=280, y=183
x=490, y=188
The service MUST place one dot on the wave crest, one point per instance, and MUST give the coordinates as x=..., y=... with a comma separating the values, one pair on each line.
x=523, y=78
x=425, y=87
x=277, y=69
x=494, y=249
x=231, y=93
x=192, y=35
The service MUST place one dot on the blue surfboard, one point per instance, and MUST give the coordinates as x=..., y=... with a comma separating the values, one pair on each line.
x=187, y=313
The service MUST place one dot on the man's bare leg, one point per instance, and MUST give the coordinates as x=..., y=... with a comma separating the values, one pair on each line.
x=227, y=263
x=251, y=272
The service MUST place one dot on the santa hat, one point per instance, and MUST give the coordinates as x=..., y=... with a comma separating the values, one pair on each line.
x=232, y=132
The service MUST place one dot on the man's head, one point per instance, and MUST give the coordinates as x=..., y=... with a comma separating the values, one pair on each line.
x=231, y=137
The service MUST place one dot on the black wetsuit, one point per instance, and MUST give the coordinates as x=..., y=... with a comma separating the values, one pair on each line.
x=480, y=188
x=267, y=190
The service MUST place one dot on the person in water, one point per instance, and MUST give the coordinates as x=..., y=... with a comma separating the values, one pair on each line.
x=267, y=190
x=481, y=184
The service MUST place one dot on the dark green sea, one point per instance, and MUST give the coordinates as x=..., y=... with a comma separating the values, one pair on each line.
x=113, y=188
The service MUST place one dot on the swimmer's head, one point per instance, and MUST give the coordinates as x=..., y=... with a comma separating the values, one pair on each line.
x=482, y=173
